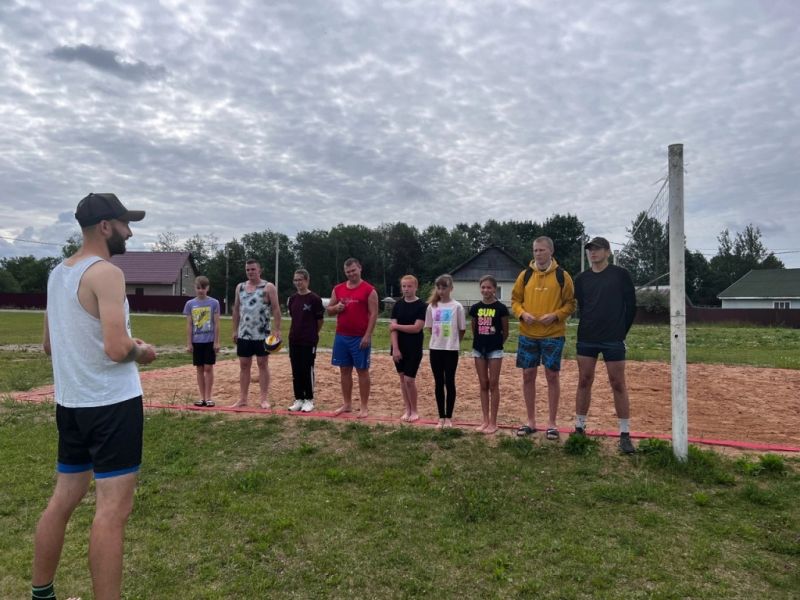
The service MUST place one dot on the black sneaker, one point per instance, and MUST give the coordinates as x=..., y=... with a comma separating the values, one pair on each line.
x=625, y=444
x=580, y=431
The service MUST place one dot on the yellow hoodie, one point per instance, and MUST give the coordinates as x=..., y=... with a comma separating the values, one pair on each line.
x=543, y=295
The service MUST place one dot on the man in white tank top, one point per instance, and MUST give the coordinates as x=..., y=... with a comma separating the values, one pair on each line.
x=98, y=396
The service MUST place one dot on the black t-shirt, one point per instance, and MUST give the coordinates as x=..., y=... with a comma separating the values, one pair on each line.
x=408, y=313
x=487, y=325
x=607, y=303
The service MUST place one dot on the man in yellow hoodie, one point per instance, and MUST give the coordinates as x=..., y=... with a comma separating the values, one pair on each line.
x=543, y=299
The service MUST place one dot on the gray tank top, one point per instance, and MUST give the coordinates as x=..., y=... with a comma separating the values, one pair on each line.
x=254, y=313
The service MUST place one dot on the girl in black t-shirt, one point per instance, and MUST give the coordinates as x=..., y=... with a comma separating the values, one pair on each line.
x=405, y=329
x=489, y=333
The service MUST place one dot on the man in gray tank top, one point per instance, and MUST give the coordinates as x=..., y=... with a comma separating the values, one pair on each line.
x=254, y=301
x=98, y=397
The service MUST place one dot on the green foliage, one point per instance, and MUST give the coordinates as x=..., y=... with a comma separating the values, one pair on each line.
x=702, y=466
x=72, y=244
x=653, y=302
x=765, y=465
x=581, y=445
x=646, y=256
x=738, y=255
x=29, y=272
x=9, y=283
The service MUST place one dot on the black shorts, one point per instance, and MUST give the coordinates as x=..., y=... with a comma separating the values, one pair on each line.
x=248, y=348
x=409, y=364
x=106, y=439
x=203, y=354
x=611, y=351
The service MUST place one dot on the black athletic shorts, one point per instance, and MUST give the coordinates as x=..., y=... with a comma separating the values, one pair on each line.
x=611, y=351
x=203, y=354
x=408, y=365
x=247, y=348
x=106, y=439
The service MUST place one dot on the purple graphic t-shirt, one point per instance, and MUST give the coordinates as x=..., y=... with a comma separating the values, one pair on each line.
x=202, y=313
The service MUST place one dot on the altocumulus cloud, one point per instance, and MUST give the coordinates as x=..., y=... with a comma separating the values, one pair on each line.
x=109, y=61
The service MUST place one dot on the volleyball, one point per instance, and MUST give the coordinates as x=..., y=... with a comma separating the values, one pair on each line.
x=273, y=343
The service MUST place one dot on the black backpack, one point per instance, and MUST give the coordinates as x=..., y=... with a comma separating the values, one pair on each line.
x=559, y=277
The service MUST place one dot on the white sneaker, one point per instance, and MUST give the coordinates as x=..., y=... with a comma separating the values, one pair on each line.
x=298, y=404
x=308, y=406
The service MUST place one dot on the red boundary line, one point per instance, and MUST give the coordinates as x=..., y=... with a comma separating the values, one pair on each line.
x=40, y=396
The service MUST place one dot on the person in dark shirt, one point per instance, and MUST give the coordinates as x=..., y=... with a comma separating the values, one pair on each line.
x=307, y=313
x=607, y=303
x=405, y=330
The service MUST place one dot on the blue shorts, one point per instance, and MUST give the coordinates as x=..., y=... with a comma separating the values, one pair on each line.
x=547, y=351
x=612, y=351
x=487, y=354
x=346, y=352
x=105, y=439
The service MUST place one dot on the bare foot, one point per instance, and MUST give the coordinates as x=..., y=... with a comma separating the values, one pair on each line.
x=490, y=429
x=342, y=409
x=363, y=414
x=440, y=424
x=265, y=405
x=481, y=427
x=413, y=417
x=404, y=417
x=239, y=404
x=448, y=424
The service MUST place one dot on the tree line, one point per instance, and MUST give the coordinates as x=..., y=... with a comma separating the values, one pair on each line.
x=389, y=251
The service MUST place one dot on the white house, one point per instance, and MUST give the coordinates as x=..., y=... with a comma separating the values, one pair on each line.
x=764, y=288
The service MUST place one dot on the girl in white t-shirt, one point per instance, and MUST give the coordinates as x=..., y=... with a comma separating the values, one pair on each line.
x=446, y=323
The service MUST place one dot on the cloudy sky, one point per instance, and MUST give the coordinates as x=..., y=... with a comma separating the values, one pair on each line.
x=229, y=117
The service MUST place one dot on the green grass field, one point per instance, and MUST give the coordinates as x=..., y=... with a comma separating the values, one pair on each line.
x=299, y=508
x=296, y=508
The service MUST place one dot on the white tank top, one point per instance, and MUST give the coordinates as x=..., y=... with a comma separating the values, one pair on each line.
x=84, y=375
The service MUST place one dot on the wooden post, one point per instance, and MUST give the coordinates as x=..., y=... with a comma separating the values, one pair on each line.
x=677, y=304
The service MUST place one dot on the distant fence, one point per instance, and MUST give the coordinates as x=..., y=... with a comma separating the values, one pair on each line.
x=161, y=304
x=768, y=317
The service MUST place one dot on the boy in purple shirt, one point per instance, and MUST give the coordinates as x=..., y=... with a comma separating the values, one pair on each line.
x=202, y=337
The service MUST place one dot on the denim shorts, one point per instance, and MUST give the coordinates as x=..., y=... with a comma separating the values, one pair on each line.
x=487, y=354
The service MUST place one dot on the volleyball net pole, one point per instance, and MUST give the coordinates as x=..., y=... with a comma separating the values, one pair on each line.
x=677, y=304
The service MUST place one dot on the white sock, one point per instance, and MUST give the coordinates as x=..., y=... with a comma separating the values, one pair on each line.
x=580, y=421
x=624, y=425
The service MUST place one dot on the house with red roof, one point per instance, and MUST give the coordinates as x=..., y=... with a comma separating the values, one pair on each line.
x=157, y=273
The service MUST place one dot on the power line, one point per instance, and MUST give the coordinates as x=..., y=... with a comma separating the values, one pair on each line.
x=13, y=239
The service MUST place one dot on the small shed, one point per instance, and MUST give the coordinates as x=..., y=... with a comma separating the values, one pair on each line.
x=157, y=273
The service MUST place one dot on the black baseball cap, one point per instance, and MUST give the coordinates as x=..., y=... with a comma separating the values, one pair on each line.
x=99, y=207
x=599, y=242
